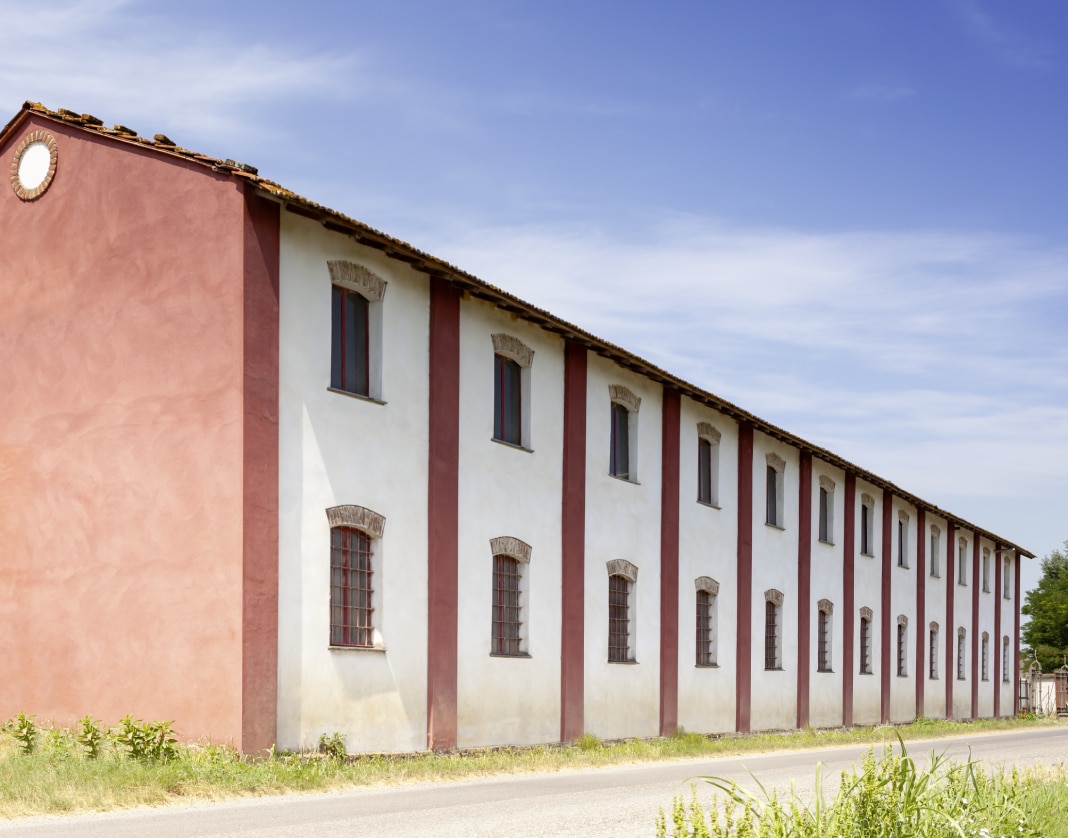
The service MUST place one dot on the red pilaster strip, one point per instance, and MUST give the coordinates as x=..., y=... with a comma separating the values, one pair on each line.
x=804, y=587
x=848, y=596
x=951, y=626
x=669, y=563
x=259, y=588
x=573, y=545
x=976, y=581
x=1016, y=638
x=921, y=609
x=744, y=637
x=998, y=590
x=886, y=633
x=443, y=513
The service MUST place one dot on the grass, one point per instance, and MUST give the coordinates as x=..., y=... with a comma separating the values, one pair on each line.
x=889, y=796
x=59, y=776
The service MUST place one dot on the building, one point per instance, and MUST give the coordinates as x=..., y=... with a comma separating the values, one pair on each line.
x=271, y=473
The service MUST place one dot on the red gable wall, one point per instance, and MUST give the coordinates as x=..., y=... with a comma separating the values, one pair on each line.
x=138, y=443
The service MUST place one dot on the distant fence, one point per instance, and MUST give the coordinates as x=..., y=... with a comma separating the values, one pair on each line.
x=1044, y=695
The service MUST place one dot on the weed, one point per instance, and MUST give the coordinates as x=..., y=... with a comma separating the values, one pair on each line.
x=146, y=742
x=333, y=745
x=589, y=742
x=90, y=737
x=24, y=729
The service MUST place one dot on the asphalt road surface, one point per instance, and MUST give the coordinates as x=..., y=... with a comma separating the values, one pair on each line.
x=618, y=802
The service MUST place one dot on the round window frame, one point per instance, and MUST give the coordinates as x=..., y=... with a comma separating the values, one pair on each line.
x=28, y=194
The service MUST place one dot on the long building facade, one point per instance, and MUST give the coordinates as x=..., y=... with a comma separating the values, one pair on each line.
x=271, y=473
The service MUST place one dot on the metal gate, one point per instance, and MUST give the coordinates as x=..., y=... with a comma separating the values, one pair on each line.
x=1060, y=690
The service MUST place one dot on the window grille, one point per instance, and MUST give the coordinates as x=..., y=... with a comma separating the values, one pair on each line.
x=507, y=624
x=618, y=618
x=351, y=588
x=771, y=635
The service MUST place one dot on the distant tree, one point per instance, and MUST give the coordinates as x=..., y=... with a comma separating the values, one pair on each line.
x=1047, y=606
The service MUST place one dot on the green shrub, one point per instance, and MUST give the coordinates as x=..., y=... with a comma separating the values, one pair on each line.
x=91, y=737
x=146, y=741
x=333, y=745
x=24, y=729
x=589, y=742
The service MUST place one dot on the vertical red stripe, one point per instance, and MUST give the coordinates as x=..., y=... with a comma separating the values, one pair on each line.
x=259, y=588
x=951, y=629
x=744, y=637
x=998, y=561
x=976, y=582
x=921, y=608
x=804, y=587
x=669, y=563
x=887, y=623
x=1016, y=639
x=443, y=513
x=573, y=545
x=848, y=597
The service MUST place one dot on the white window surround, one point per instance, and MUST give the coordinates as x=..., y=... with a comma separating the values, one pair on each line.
x=512, y=347
x=962, y=561
x=619, y=394
x=935, y=558
x=827, y=526
x=903, y=646
x=629, y=571
x=825, y=611
x=867, y=519
x=506, y=545
x=773, y=656
x=865, y=646
x=370, y=286
x=374, y=525
x=708, y=432
x=777, y=466
x=711, y=587
x=902, y=539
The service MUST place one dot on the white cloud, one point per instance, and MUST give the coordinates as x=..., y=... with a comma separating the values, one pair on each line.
x=158, y=74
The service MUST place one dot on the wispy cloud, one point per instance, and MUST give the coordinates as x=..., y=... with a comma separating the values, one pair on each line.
x=119, y=57
x=1009, y=44
x=928, y=357
x=880, y=92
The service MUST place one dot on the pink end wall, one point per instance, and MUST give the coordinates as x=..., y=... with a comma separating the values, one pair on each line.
x=133, y=425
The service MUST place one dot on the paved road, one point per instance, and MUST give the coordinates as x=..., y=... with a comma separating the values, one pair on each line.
x=617, y=802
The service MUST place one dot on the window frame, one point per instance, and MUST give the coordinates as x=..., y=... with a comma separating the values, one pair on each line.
x=986, y=570
x=867, y=525
x=962, y=662
x=962, y=562
x=824, y=636
x=902, y=646
x=865, y=642
x=935, y=564
x=351, y=281
x=512, y=362
x=984, y=659
x=622, y=582
x=775, y=491
x=1005, y=659
x=932, y=652
x=623, y=433
x=350, y=334
x=902, y=539
x=708, y=444
x=773, y=600
x=706, y=622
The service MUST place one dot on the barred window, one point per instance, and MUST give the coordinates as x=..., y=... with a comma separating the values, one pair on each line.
x=902, y=647
x=351, y=588
x=932, y=653
x=1005, y=659
x=507, y=622
x=619, y=648
x=823, y=641
x=772, y=639
x=865, y=645
x=961, y=637
x=986, y=657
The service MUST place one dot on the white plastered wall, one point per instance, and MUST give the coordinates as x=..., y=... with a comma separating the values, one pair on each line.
x=509, y=491
x=985, y=707
x=867, y=576
x=336, y=449
x=622, y=522
x=707, y=547
x=1008, y=615
x=826, y=581
x=934, y=694
x=773, y=704
x=903, y=602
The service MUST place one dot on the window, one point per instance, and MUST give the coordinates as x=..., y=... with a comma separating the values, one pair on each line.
x=865, y=641
x=623, y=454
x=707, y=464
x=986, y=657
x=902, y=538
x=707, y=641
x=902, y=646
x=986, y=570
x=621, y=578
x=1006, y=579
x=932, y=652
x=867, y=520
x=507, y=401
x=935, y=552
x=962, y=562
x=1005, y=659
x=511, y=558
x=772, y=629
x=349, y=370
x=511, y=390
x=352, y=574
x=826, y=510
x=776, y=468
x=962, y=635
x=356, y=301
x=823, y=636
x=506, y=617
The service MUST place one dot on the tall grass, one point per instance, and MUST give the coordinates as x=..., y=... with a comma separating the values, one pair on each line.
x=888, y=797
x=44, y=769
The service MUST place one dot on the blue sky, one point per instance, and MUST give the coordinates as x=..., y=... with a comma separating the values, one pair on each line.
x=847, y=217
